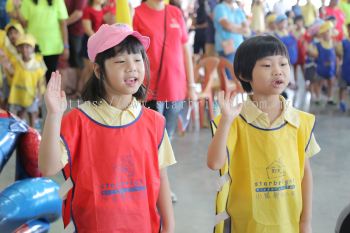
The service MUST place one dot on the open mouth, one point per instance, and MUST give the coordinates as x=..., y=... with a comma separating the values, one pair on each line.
x=277, y=83
x=130, y=81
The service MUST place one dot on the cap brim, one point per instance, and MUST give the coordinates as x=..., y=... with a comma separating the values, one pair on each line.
x=145, y=40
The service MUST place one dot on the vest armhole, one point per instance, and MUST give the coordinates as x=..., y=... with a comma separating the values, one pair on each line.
x=161, y=127
x=161, y=139
x=310, y=134
x=213, y=127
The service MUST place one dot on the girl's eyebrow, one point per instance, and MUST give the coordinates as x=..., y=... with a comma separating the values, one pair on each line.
x=270, y=57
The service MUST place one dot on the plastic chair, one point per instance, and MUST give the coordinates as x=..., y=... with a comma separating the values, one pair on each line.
x=226, y=84
x=206, y=81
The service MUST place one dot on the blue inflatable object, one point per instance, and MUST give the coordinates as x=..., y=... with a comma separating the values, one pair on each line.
x=34, y=226
x=11, y=129
x=29, y=199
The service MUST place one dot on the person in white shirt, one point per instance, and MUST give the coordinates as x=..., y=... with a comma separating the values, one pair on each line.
x=281, y=7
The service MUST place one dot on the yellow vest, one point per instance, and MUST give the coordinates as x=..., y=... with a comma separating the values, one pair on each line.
x=27, y=79
x=265, y=169
x=3, y=43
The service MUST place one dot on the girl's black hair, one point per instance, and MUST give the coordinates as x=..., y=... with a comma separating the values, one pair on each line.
x=94, y=90
x=48, y=2
x=298, y=17
x=252, y=50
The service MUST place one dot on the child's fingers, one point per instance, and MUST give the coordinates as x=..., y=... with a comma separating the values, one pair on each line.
x=51, y=84
x=56, y=81
x=63, y=94
x=221, y=98
x=227, y=97
x=239, y=107
x=59, y=80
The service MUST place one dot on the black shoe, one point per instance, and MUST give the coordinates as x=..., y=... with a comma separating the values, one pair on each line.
x=331, y=102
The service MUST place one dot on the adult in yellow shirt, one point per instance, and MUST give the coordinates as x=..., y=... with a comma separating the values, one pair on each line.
x=309, y=13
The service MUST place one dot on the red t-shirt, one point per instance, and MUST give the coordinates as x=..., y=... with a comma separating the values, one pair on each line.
x=72, y=5
x=340, y=17
x=109, y=7
x=172, y=81
x=95, y=16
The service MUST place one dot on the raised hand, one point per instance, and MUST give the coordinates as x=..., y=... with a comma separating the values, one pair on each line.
x=55, y=98
x=229, y=109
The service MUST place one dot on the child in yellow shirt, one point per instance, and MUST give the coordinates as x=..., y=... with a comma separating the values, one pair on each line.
x=262, y=147
x=9, y=54
x=27, y=80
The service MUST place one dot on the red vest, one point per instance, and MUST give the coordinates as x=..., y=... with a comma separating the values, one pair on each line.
x=115, y=173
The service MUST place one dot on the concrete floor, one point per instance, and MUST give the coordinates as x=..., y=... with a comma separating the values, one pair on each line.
x=194, y=183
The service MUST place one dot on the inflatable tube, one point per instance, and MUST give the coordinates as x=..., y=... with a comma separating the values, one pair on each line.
x=343, y=222
x=27, y=155
x=29, y=199
x=10, y=130
x=34, y=226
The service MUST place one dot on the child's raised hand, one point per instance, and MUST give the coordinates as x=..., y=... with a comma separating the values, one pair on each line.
x=229, y=109
x=55, y=98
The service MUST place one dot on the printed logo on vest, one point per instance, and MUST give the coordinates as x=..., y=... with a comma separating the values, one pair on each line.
x=126, y=180
x=275, y=170
x=276, y=184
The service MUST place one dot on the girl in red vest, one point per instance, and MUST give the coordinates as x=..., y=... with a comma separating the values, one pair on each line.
x=112, y=149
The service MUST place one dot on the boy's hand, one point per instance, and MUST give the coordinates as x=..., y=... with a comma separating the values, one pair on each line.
x=305, y=227
x=229, y=109
x=55, y=98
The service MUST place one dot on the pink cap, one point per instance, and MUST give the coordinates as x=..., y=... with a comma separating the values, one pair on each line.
x=108, y=36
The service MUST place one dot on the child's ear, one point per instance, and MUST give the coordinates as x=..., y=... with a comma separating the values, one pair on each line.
x=97, y=70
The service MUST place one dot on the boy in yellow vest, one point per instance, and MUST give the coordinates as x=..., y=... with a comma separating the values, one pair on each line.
x=262, y=148
x=28, y=83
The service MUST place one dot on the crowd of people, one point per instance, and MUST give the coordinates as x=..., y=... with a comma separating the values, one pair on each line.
x=316, y=39
x=317, y=42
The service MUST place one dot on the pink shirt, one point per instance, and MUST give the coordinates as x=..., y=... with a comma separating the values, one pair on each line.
x=172, y=81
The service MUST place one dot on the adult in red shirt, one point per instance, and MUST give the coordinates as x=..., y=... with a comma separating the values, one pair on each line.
x=92, y=20
x=170, y=60
x=109, y=10
x=75, y=33
x=333, y=10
